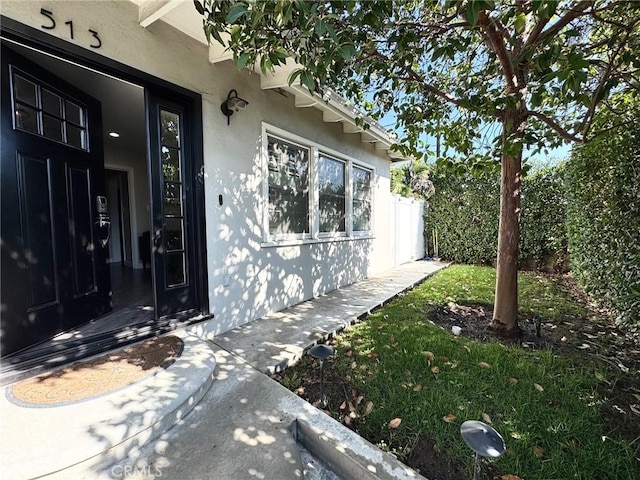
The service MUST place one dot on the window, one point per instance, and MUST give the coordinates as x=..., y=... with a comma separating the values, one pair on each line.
x=39, y=110
x=361, y=181
x=312, y=192
x=173, y=214
x=288, y=188
x=332, y=194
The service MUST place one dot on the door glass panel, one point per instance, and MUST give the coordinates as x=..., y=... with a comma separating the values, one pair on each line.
x=40, y=111
x=25, y=90
x=76, y=137
x=26, y=118
x=74, y=113
x=170, y=129
x=173, y=233
x=172, y=199
x=171, y=164
x=51, y=103
x=175, y=269
x=173, y=220
x=52, y=128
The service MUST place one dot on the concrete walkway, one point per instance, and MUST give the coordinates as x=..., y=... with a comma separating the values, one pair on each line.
x=279, y=339
x=245, y=426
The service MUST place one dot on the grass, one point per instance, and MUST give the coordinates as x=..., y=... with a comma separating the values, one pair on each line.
x=547, y=407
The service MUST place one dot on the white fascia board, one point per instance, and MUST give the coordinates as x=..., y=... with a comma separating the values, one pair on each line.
x=279, y=77
x=220, y=53
x=304, y=101
x=150, y=11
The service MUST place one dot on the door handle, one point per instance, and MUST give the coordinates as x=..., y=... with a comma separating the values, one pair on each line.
x=102, y=224
x=157, y=238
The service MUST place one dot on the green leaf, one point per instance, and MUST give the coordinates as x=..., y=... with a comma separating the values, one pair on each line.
x=199, y=7
x=473, y=11
x=235, y=12
x=520, y=22
x=488, y=5
x=332, y=32
x=242, y=60
x=320, y=28
x=265, y=64
x=347, y=51
x=308, y=81
x=293, y=76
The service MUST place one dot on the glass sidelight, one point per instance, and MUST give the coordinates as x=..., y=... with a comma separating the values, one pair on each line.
x=171, y=150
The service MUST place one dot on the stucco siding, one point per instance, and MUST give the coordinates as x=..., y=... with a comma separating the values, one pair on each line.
x=246, y=277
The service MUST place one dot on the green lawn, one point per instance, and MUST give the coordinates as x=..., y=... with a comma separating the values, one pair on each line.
x=547, y=407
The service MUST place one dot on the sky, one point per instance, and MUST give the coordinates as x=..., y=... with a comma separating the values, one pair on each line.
x=553, y=157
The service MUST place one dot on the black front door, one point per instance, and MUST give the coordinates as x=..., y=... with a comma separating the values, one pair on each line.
x=173, y=185
x=54, y=270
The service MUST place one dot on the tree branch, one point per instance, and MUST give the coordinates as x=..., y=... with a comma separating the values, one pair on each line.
x=554, y=126
x=562, y=22
x=535, y=32
x=497, y=44
x=608, y=129
x=606, y=75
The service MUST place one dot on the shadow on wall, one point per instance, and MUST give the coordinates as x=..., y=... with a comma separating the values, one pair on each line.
x=249, y=279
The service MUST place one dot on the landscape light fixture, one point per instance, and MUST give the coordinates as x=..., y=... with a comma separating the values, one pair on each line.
x=484, y=440
x=233, y=103
x=321, y=352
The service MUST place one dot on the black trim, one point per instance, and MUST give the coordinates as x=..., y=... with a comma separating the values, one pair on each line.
x=17, y=32
x=11, y=29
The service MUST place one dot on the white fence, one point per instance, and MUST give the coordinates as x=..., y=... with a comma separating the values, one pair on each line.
x=407, y=235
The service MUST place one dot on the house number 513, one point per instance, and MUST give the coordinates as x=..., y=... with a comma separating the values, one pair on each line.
x=51, y=24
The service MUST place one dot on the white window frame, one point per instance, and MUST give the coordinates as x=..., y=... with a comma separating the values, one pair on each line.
x=315, y=150
x=298, y=142
x=372, y=178
x=346, y=163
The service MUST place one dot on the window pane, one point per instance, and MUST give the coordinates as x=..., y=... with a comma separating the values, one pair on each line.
x=170, y=129
x=74, y=113
x=25, y=91
x=172, y=199
x=52, y=128
x=332, y=215
x=331, y=179
x=361, y=180
x=26, y=118
x=51, y=103
x=288, y=213
x=175, y=270
x=288, y=187
x=76, y=137
x=173, y=233
x=171, y=164
x=361, y=216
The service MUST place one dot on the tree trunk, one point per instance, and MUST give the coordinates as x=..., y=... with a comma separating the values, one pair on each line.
x=505, y=309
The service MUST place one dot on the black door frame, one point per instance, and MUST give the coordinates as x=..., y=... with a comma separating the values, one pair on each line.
x=17, y=32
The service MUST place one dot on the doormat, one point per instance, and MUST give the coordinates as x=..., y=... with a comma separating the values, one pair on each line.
x=93, y=378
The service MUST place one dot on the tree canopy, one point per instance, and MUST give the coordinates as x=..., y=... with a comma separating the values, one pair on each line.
x=489, y=77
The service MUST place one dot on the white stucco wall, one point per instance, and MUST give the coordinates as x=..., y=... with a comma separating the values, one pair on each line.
x=261, y=279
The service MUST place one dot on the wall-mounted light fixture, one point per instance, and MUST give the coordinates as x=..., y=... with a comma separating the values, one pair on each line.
x=233, y=103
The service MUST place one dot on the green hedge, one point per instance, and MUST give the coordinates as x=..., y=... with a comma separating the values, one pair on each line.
x=543, y=230
x=465, y=211
x=603, y=190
